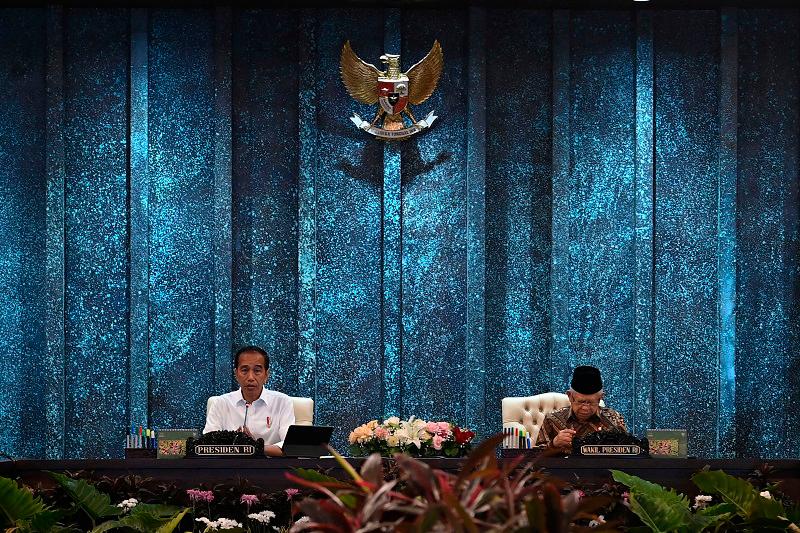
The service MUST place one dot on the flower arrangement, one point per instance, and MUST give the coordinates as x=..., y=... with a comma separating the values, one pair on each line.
x=414, y=437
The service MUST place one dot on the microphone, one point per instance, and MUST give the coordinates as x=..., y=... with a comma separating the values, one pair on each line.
x=246, y=409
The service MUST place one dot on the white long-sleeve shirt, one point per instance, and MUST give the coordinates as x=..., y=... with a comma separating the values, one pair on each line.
x=268, y=418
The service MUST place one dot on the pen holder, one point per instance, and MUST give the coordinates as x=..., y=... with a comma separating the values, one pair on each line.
x=140, y=453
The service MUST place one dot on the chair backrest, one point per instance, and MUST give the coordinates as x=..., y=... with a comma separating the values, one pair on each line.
x=303, y=410
x=528, y=412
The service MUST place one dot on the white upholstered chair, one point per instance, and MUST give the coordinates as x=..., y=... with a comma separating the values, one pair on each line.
x=303, y=410
x=528, y=412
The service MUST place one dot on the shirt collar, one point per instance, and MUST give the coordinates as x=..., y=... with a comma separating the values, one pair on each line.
x=238, y=398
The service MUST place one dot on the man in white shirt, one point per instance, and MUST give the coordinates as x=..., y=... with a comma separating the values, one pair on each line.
x=253, y=410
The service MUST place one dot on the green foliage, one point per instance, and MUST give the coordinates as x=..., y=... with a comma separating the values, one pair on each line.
x=740, y=494
x=315, y=476
x=663, y=510
x=22, y=511
x=147, y=518
x=16, y=503
x=659, y=508
x=91, y=501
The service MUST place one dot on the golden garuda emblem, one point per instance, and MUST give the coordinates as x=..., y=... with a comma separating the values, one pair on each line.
x=393, y=90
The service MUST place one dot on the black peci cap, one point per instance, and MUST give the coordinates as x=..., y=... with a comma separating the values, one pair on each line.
x=586, y=380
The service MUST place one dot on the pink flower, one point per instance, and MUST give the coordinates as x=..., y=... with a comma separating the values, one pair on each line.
x=200, y=495
x=291, y=493
x=381, y=432
x=437, y=442
x=249, y=499
x=432, y=428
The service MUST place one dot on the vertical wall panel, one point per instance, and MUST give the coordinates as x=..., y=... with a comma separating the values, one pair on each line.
x=54, y=147
x=265, y=210
x=181, y=165
x=435, y=226
x=475, y=389
x=686, y=372
x=561, y=360
x=391, y=247
x=518, y=206
x=641, y=414
x=348, y=215
x=601, y=199
x=222, y=231
x=726, y=233
x=308, y=151
x=96, y=146
x=139, y=229
x=23, y=196
x=768, y=225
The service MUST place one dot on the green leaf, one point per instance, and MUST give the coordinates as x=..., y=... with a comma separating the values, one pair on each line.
x=653, y=490
x=146, y=518
x=16, y=503
x=348, y=499
x=658, y=514
x=93, y=502
x=738, y=492
x=170, y=526
x=315, y=476
x=720, y=508
x=156, y=510
x=45, y=521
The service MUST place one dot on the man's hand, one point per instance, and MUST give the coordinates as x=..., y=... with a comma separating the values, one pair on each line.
x=271, y=450
x=564, y=438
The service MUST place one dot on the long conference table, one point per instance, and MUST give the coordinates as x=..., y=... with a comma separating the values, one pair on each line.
x=270, y=473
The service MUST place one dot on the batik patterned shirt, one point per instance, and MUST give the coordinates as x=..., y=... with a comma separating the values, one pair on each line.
x=605, y=419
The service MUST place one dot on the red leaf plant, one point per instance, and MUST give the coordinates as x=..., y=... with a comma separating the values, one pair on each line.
x=484, y=496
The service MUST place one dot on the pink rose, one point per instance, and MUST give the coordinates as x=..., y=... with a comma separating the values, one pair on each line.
x=432, y=427
x=437, y=442
x=381, y=432
x=444, y=429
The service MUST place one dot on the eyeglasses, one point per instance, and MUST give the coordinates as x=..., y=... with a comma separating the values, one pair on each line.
x=588, y=403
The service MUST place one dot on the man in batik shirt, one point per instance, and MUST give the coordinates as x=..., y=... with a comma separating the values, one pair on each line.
x=584, y=414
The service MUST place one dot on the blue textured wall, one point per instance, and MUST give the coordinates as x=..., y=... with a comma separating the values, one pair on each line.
x=617, y=188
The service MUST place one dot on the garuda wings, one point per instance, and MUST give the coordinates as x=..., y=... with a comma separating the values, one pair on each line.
x=392, y=89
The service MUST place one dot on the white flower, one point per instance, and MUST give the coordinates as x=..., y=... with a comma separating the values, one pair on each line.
x=392, y=420
x=127, y=505
x=264, y=516
x=765, y=494
x=599, y=521
x=701, y=501
x=219, y=523
x=227, y=523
